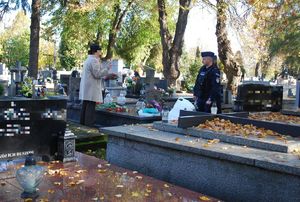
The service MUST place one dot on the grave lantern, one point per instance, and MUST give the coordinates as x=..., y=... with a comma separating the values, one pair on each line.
x=17, y=77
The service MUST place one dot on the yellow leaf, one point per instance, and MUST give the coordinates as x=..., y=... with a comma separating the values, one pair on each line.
x=206, y=145
x=148, y=190
x=102, y=198
x=177, y=139
x=71, y=184
x=80, y=182
x=204, y=198
x=120, y=186
x=214, y=141
x=28, y=200
x=166, y=186
x=135, y=194
x=146, y=194
x=95, y=199
x=80, y=171
x=102, y=171
x=50, y=191
x=118, y=195
x=139, y=177
x=57, y=183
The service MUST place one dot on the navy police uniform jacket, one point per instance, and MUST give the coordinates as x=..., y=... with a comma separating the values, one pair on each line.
x=207, y=84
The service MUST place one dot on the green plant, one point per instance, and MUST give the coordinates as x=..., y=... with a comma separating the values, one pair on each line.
x=26, y=87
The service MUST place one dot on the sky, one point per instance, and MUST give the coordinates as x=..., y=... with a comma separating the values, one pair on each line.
x=200, y=30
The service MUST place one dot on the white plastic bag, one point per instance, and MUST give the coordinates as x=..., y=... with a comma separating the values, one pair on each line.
x=180, y=104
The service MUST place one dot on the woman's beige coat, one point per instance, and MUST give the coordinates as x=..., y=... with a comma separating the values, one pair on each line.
x=91, y=84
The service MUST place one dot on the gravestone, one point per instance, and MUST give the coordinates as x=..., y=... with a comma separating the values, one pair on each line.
x=116, y=67
x=64, y=80
x=4, y=72
x=46, y=74
x=31, y=126
x=74, y=87
x=150, y=80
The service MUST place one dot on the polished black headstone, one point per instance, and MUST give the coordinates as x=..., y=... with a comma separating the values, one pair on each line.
x=31, y=126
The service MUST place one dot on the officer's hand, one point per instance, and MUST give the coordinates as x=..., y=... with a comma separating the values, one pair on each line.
x=208, y=102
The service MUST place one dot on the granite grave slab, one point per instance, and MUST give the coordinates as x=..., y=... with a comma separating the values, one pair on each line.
x=226, y=171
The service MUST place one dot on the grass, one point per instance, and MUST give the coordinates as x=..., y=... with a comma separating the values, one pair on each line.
x=89, y=140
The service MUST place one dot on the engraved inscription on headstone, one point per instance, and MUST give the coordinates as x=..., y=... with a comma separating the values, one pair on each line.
x=29, y=125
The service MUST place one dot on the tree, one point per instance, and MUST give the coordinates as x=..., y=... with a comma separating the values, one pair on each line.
x=139, y=36
x=116, y=26
x=231, y=67
x=190, y=64
x=7, y=6
x=34, y=38
x=14, y=42
x=277, y=23
x=172, y=47
x=79, y=25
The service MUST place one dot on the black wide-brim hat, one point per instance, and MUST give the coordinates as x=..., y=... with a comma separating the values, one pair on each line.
x=207, y=54
x=95, y=48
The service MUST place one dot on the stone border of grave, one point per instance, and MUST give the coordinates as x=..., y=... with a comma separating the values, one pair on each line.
x=268, y=143
x=226, y=171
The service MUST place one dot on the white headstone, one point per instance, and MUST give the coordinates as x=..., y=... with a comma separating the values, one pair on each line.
x=4, y=72
x=117, y=66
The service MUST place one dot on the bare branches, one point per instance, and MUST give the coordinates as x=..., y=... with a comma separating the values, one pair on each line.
x=7, y=6
x=4, y=6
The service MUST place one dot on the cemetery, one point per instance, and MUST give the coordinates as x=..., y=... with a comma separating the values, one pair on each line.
x=155, y=101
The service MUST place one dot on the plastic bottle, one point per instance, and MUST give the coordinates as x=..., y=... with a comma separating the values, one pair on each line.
x=140, y=104
x=108, y=99
x=165, y=114
x=121, y=100
x=214, y=108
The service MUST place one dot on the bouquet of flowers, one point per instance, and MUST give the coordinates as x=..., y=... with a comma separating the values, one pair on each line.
x=129, y=82
x=111, y=76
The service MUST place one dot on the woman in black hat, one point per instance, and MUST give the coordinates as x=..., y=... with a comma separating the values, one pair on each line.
x=90, y=85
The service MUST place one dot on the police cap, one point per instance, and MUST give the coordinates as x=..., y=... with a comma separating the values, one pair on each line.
x=207, y=54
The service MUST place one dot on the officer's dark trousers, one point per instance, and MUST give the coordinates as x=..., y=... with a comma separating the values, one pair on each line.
x=87, y=115
x=202, y=106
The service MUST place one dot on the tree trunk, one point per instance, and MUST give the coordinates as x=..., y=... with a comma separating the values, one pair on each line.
x=256, y=73
x=34, y=38
x=231, y=67
x=172, y=48
x=115, y=28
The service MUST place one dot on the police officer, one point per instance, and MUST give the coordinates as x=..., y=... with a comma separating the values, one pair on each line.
x=207, y=86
